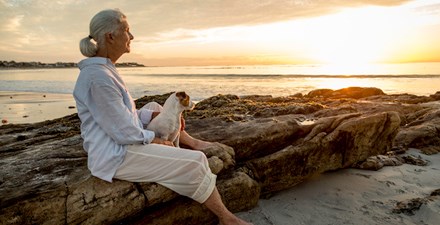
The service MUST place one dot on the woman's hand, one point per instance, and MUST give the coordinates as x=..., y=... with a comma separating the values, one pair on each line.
x=162, y=142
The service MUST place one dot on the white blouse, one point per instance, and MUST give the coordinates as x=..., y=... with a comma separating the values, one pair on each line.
x=109, y=119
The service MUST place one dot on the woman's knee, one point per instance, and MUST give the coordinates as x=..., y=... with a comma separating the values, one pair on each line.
x=153, y=106
x=202, y=159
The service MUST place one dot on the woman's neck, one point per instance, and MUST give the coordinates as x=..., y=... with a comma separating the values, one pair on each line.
x=105, y=53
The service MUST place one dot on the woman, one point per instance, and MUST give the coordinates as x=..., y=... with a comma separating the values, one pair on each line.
x=112, y=129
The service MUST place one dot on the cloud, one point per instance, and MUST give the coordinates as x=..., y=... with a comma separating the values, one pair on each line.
x=47, y=25
x=191, y=14
x=13, y=24
x=429, y=9
x=167, y=17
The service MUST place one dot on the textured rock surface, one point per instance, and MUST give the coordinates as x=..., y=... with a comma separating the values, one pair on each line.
x=410, y=206
x=334, y=143
x=379, y=161
x=276, y=144
x=423, y=132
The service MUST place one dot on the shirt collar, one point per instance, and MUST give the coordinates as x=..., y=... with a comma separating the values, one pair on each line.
x=94, y=61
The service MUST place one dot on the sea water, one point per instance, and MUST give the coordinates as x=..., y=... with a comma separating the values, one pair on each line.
x=33, y=95
x=205, y=81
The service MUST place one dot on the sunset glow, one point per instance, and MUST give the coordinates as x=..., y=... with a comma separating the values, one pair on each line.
x=225, y=33
x=352, y=36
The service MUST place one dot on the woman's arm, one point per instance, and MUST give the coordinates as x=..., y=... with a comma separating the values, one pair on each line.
x=114, y=117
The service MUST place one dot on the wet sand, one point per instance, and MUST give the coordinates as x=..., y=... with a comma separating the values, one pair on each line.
x=31, y=107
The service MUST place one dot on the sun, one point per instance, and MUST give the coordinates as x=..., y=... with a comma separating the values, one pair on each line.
x=362, y=35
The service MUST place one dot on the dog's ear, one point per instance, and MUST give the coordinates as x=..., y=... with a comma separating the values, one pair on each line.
x=181, y=95
x=183, y=98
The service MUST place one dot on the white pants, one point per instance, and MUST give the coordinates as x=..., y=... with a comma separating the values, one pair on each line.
x=181, y=170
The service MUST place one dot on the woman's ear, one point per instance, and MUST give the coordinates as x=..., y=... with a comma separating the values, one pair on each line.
x=109, y=37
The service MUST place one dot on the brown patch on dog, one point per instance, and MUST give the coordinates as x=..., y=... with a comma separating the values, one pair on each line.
x=183, y=98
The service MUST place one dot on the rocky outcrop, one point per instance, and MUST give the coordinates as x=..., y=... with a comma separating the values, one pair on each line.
x=409, y=207
x=275, y=143
x=423, y=132
x=351, y=92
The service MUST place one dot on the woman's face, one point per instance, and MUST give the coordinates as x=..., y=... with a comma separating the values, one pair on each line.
x=123, y=38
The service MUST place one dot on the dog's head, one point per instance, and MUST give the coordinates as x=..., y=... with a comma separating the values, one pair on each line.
x=185, y=100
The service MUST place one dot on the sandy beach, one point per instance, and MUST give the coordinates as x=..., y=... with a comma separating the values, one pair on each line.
x=354, y=196
x=31, y=107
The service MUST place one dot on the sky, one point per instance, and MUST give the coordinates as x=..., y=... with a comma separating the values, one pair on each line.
x=230, y=32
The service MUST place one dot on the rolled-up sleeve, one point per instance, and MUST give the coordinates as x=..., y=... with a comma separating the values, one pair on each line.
x=114, y=117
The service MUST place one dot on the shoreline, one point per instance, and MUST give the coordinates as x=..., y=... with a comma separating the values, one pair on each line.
x=58, y=65
x=32, y=107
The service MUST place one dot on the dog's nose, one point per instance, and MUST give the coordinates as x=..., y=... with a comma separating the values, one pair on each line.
x=192, y=105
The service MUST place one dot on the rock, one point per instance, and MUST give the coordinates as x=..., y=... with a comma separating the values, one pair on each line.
x=220, y=157
x=113, y=202
x=320, y=93
x=418, y=161
x=392, y=160
x=140, y=102
x=45, y=179
x=377, y=162
x=216, y=165
x=436, y=96
x=216, y=102
x=397, y=150
x=232, y=108
x=350, y=92
x=409, y=207
x=36, y=181
x=239, y=192
x=372, y=163
x=334, y=143
x=436, y=193
x=250, y=139
x=423, y=132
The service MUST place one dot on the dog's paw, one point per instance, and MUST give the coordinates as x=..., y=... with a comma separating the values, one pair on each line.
x=222, y=152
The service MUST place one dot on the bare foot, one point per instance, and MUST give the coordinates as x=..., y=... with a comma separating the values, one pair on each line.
x=199, y=144
x=193, y=143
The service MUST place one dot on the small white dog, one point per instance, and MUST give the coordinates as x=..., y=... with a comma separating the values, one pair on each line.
x=167, y=124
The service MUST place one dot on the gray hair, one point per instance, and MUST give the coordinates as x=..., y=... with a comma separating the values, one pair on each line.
x=106, y=21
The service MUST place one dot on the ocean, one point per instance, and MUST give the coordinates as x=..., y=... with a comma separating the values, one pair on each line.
x=205, y=81
x=34, y=95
